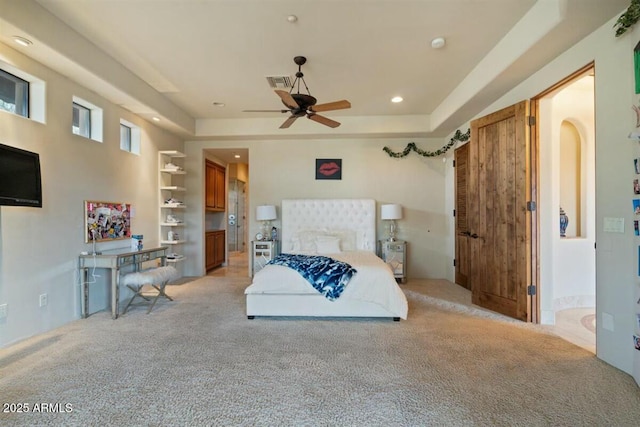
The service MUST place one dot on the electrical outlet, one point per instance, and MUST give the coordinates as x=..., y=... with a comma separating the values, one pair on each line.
x=43, y=300
x=3, y=311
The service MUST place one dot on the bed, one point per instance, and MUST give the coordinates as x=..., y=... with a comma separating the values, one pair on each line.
x=341, y=229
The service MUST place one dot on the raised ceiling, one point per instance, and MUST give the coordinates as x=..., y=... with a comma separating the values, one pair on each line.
x=175, y=58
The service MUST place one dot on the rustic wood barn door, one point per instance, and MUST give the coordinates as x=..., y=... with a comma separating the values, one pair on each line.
x=461, y=159
x=499, y=189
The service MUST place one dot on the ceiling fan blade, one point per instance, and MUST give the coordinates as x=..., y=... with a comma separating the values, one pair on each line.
x=324, y=120
x=287, y=98
x=265, y=111
x=288, y=122
x=337, y=105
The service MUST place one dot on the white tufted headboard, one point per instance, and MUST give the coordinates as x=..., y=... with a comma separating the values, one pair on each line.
x=358, y=215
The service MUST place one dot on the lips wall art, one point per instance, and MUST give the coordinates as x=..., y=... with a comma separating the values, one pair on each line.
x=328, y=168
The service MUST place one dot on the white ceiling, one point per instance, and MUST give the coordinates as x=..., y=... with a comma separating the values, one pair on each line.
x=192, y=53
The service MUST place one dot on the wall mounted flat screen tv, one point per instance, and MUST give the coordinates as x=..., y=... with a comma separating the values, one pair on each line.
x=20, y=182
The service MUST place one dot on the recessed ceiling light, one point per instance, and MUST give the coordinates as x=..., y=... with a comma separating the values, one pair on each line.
x=155, y=119
x=438, y=42
x=396, y=99
x=292, y=18
x=22, y=41
x=237, y=156
x=218, y=104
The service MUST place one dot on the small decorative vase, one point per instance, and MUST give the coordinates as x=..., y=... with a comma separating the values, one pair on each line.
x=564, y=222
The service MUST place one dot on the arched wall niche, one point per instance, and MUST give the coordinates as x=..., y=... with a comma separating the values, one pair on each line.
x=571, y=177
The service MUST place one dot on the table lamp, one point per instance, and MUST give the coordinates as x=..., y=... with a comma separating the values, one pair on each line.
x=266, y=214
x=391, y=213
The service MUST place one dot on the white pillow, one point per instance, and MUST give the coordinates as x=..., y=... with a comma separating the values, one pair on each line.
x=348, y=240
x=306, y=241
x=327, y=245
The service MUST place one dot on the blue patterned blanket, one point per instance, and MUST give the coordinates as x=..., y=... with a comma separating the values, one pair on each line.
x=327, y=275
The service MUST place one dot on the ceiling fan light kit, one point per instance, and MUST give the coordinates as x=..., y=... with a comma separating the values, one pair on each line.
x=300, y=104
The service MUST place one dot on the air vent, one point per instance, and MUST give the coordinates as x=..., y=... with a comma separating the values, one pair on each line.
x=280, y=82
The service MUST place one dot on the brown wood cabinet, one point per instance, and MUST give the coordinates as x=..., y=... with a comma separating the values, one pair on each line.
x=215, y=196
x=214, y=249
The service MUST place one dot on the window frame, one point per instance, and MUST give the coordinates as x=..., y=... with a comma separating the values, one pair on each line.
x=135, y=137
x=37, y=92
x=125, y=145
x=18, y=83
x=84, y=120
x=95, y=119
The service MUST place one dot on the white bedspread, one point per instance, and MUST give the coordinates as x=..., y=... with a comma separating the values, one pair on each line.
x=374, y=282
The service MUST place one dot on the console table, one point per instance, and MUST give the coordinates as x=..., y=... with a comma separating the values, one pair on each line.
x=115, y=260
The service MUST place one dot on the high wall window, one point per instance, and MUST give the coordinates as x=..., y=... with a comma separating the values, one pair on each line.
x=22, y=93
x=14, y=94
x=81, y=120
x=129, y=137
x=87, y=119
x=125, y=137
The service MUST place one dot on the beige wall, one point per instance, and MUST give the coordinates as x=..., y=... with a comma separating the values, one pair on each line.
x=39, y=247
x=239, y=171
x=286, y=169
x=617, y=283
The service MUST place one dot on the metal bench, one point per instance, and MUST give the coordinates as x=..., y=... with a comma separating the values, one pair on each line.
x=156, y=278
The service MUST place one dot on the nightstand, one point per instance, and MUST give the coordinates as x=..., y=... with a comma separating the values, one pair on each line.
x=263, y=251
x=395, y=255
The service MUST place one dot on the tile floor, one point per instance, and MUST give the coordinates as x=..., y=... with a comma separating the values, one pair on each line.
x=577, y=325
x=237, y=266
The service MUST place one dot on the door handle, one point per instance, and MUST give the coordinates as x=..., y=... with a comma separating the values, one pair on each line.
x=466, y=233
x=474, y=236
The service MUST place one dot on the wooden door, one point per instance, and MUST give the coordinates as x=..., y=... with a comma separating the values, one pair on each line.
x=499, y=221
x=215, y=248
x=210, y=248
x=220, y=247
x=220, y=187
x=461, y=159
x=210, y=185
x=215, y=186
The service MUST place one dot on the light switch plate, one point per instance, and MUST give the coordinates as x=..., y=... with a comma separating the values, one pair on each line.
x=607, y=321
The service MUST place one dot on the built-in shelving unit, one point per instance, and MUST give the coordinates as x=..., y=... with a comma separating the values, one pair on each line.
x=172, y=230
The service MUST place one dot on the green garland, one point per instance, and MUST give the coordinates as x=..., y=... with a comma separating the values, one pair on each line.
x=458, y=136
x=628, y=18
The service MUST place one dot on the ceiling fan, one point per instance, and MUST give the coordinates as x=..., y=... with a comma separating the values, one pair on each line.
x=300, y=104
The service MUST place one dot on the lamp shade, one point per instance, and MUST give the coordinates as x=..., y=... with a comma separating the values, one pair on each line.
x=266, y=213
x=391, y=212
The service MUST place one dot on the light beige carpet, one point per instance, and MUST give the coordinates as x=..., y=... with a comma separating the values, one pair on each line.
x=198, y=361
